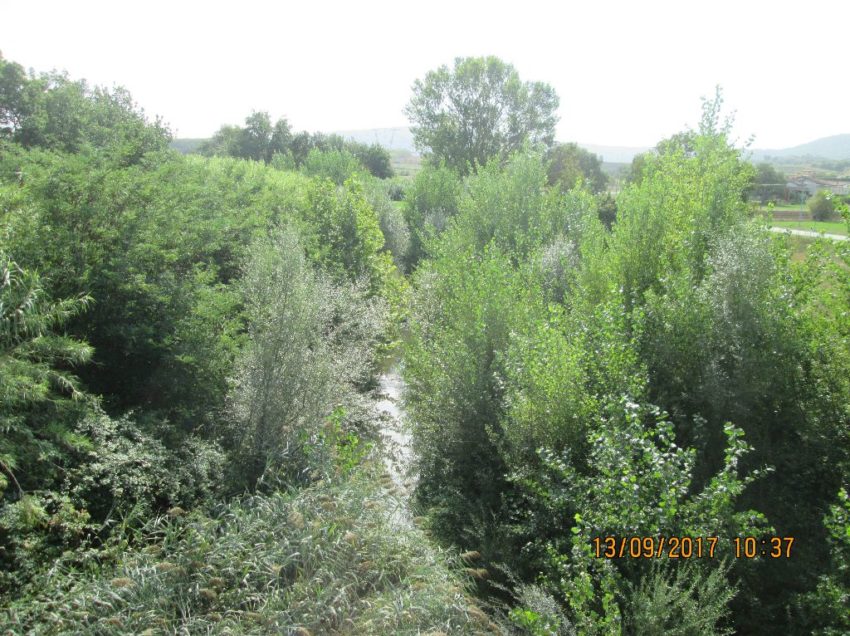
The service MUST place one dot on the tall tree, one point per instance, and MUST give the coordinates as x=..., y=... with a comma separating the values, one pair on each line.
x=478, y=110
x=52, y=111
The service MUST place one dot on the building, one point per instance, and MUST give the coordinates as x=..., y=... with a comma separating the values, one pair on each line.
x=805, y=186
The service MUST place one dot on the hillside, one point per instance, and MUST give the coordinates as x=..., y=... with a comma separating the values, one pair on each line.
x=186, y=145
x=399, y=138
x=836, y=147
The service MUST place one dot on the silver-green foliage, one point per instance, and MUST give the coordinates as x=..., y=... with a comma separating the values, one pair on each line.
x=682, y=599
x=391, y=219
x=310, y=342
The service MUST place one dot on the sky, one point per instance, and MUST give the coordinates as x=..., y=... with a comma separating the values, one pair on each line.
x=627, y=73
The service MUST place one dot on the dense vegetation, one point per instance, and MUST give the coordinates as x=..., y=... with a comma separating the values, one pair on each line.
x=277, y=144
x=189, y=347
x=674, y=376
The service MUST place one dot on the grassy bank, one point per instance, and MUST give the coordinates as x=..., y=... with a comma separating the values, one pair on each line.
x=329, y=559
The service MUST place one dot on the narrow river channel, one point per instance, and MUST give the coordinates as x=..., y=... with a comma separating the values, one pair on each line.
x=398, y=451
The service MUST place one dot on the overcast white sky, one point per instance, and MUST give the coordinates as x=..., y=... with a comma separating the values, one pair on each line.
x=628, y=73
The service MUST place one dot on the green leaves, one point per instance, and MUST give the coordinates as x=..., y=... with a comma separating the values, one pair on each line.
x=52, y=111
x=310, y=341
x=479, y=110
x=34, y=381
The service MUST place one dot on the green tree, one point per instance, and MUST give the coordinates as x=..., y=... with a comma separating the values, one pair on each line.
x=52, y=111
x=37, y=390
x=391, y=219
x=768, y=183
x=634, y=171
x=477, y=110
x=822, y=205
x=258, y=140
x=825, y=610
x=568, y=163
x=281, y=139
x=375, y=158
x=255, y=138
x=431, y=202
x=336, y=165
x=341, y=232
x=681, y=142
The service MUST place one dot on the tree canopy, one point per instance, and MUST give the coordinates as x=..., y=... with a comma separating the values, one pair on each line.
x=768, y=183
x=570, y=163
x=51, y=111
x=477, y=110
x=260, y=140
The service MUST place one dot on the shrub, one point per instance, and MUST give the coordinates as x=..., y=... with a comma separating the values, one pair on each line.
x=431, y=201
x=310, y=342
x=391, y=219
x=680, y=599
x=336, y=165
x=822, y=205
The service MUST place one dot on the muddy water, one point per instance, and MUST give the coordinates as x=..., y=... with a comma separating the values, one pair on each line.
x=397, y=441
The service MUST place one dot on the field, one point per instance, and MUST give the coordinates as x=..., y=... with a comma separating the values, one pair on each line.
x=405, y=163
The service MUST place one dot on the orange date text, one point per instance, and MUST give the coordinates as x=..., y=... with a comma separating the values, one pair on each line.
x=654, y=547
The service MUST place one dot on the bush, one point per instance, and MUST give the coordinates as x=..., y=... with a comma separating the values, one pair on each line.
x=311, y=341
x=336, y=165
x=391, y=219
x=680, y=599
x=431, y=201
x=822, y=205
x=397, y=188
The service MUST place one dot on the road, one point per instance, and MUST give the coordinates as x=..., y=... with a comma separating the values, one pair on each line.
x=810, y=234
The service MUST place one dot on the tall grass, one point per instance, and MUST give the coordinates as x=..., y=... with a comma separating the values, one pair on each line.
x=327, y=559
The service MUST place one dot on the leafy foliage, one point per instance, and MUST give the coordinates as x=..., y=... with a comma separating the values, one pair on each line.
x=310, y=343
x=478, y=110
x=826, y=609
x=641, y=364
x=822, y=205
x=687, y=601
x=431, y=202
x=684, y=304
x=325, y=155
x=38, y=393
x=52, y=111
x=570, y=164
x=768, y=183
x=336, y=165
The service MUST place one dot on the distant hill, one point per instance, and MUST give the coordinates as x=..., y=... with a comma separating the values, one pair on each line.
x=390, y=138
x=614, y=154
x=836, y=148
x=401, y=138
x=186, y=145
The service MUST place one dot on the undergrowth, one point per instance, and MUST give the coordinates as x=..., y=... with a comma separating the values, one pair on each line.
x=326, y=559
